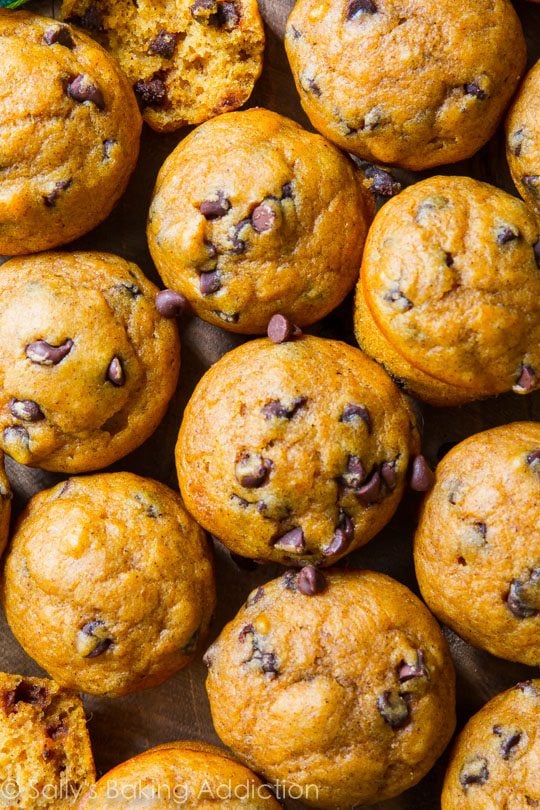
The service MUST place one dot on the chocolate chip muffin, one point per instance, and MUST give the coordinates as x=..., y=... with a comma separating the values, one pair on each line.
x=477, y=548
x=108, y=583
x=523, y=140
x=347, y=693
x=187, y=60
x=252, y=215
x=187, y=774
x=495, y=763
x=70, y=133
x=45, y=755
x=5, y=505
x=88, y=365
x=449, y=292
x=295, y=452
x=415, y=83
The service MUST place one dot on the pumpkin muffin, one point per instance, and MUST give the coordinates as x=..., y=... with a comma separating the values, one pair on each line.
x=88, y=364
x=187, y=774
x=449, y=292
x=523, y=139
x=347, y=692
x=253, y=215
x=477, y=548
x=496, y=760
x=45, y=755
x=296, y=452
x=187, y=60
x=108, y=583
x=415, y=83
x=70, y=133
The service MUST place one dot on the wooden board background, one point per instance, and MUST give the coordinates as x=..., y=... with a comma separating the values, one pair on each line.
x=179, y=708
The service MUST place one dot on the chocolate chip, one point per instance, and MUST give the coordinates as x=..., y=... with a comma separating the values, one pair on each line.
x=422, y=476
x=474, y=89
x=164, y=44
x=51, y=198
x=524, y=595
x=356, y=413
x=276, y=409
x=507, y=233
x=56, y=730
x=480, y=529
x=26, y=409
x=263, y=218
x=532, y=181
x=355, y=8
x=343, y=536
x=389, y=474
x=91, y=20
x=510, y=738
x=407, y=672
x=151, y=92
x=252, y=470
x=228, y=16
x=171, y=304
x=215, y=208
x=397, y=297
x=205, y=11
x=295, y=32
x=210, y=282
x=45, y=354
x=61, y=35
x=115, y=373
x=448, y=259
x=259, y=656
x=526, y=381
x=515, y=141
x=16, y=435
x=536, y=251
x=93, y=640
x=107, y=148
x=311, y=581
x=132, y=290
x=81, y=89
x=533, y=460
x=474, y=772
x=281, y=329
x=355, y=473
x=394, y=709
x=382, y=181
x=292, y=542
x=287, y=191
x=25, y=692
x=369, y=492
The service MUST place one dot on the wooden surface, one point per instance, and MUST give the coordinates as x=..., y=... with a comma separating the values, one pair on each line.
x=179, y=708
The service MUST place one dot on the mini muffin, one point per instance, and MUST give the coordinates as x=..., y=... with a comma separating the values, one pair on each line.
x=88, y=365
x=295, y=452
x=347, y=693
x=415, y=83
x=523, y=139
x=5, y=505
x=496, y=761
x=477, y=548
x=108, y=583
x=70, y=133
x=253, y=215
x=187, y=774
x=449, y=292
x=45, y=755
x=187, y=60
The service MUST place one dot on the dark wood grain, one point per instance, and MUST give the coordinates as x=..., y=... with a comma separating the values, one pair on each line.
x=179, y=709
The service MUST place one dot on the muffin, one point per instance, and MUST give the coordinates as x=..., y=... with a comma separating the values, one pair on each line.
x=88, y=364
x=278, y=225
x=45, y=755
x=449, y=292
x=477, y=548
x=186, y=774
x=187, y=60
x=523, y=139
x=108, y=583
x=5, y=505
x=496, y=758
x=380, y=78
x=296, y=452
x=347, y=693
x=70, y=133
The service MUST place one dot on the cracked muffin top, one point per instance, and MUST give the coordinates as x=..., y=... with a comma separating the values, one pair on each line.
x=109, y=583
x=349, y=690
x=88, y=364
x=477, y=547
x=523, y=139
x=70, y=130
x=187, y=60
x=415, y=83
x=449, y=292
x=253, y=215
x=496, y=760
x=295, y=452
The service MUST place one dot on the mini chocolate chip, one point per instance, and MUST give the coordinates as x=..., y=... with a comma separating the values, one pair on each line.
x=526, y=381
x=190, y=647
x=216, y=208
x=293, y=541
x=310, y=581
x=115, y=373
x=309, y=85
x=382, y=181
x=93, y=640
x=228, y=16
x=151, y=92
x=81, y=89
x=61, y=35
x=209, y=282
x=263, y=218
x=164, y=44
x=287, y=191
x=510, y=738
x=26, y=409
x=474, y=772
x=422, y=476
x=356, y=413
x=281, y=329
x=279, y=411
x=369, y=492
x=474, y=89
x=45, y=354
x=524, y=595
x=394, y=709
x=481, y=529
x=132, y=289
x=259, y=656
x=343, y=536
x=295, y=32
x=16, y=435
x=56, y=730
x=51, y=198
x=389, y=474
x=533, y=460
x=397, y=297
x=252, y=470
x=355, y=8
x=91, y=20
x=171, y=304
x=204, y=11
x=355, y=473
x=256, y=595
x=25, y=692
x=407, y=672
x=507, y=233
x=536, y=251
x=448, y=259
x=532, y=181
